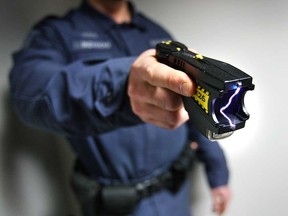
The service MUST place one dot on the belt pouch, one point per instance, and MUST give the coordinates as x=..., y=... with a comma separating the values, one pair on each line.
x=119, y=200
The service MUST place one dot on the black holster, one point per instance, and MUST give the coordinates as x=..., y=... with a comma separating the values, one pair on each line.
x=96, y=199
x=120, y=200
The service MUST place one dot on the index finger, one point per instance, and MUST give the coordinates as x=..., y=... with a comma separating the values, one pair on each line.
x=161, y=75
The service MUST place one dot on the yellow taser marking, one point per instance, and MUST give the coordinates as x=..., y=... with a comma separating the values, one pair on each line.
x=199, y=57
x=202, y=98
x=167, y=42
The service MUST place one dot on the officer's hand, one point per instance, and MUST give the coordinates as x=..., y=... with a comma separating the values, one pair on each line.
x=155, y=91
x=221, y=197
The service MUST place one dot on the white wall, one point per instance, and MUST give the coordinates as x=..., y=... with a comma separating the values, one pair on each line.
x=251, y=35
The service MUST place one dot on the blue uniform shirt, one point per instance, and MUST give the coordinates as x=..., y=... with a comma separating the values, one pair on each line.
x=70, y=77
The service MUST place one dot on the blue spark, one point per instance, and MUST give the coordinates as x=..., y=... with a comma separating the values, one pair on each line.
x=227, y=105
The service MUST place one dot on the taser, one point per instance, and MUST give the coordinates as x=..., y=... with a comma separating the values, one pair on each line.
x=217, y=109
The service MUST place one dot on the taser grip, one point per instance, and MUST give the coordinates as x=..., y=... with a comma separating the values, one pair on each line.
x=217, y=109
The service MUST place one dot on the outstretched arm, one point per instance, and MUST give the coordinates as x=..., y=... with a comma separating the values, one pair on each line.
x=73, y=98
x=91, y=97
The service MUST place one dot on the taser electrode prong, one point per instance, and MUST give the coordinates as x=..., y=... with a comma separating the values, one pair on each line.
x=217, y=109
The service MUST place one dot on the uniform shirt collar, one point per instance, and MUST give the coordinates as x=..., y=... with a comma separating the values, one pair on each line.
x=107, y=21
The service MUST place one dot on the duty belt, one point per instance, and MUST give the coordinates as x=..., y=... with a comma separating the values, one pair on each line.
x=121, y=199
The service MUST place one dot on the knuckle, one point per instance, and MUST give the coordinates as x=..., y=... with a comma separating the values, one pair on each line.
x=159, y=102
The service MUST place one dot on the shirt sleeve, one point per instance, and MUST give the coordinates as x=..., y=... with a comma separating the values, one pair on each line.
x=73, y=99
x=213, y=158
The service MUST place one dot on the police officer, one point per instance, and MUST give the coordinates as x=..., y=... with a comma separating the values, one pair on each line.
x=92, y=76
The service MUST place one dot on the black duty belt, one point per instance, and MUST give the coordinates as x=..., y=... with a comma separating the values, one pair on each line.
x=121, y=199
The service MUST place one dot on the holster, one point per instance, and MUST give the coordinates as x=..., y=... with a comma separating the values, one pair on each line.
x=120, y=200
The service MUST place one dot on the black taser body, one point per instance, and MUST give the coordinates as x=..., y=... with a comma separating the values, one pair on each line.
x=217, y=109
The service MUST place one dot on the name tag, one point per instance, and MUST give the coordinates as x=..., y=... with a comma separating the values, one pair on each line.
x=91, y=44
